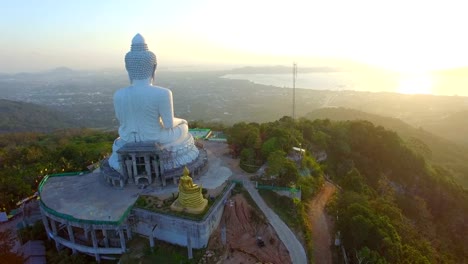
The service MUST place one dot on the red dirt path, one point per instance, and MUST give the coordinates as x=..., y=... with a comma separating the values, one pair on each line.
x=321, y=224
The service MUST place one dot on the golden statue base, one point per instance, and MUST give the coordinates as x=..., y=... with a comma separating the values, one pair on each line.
x=175, y=206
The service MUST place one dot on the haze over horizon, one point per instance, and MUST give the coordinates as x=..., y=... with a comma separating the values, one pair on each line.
x=398, y=35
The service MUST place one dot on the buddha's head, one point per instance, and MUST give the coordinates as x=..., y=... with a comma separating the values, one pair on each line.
x=139, y=61
x=186, y=171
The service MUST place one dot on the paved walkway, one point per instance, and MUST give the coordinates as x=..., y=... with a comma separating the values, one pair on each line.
x=296, y=251
x=295, y=248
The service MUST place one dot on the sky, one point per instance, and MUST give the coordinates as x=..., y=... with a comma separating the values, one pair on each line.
x=399, y=35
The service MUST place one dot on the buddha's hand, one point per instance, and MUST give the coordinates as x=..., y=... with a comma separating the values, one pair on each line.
x=180, y=121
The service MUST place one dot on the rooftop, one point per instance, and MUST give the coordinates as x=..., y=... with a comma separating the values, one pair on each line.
x=89, y=197
x=200, y=133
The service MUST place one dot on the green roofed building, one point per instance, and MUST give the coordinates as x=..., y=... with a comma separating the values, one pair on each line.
x=200, y=133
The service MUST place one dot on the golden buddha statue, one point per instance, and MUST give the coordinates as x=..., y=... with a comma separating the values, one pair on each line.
x=190, y=196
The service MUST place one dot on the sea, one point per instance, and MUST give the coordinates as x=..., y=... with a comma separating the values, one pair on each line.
x=416, y=83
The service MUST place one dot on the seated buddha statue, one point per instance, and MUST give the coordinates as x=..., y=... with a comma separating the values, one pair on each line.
x=145, y=111
x=190, y=196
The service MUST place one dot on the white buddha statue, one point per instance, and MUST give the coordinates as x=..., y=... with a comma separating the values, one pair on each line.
x=145, y=112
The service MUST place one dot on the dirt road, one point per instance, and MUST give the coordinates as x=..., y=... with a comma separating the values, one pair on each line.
x=321, y=225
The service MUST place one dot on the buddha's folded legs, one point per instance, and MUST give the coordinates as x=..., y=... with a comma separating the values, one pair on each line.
x=114, y=158
x=174, y=135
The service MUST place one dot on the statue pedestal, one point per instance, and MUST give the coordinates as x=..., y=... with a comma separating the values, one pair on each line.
x=176, y=206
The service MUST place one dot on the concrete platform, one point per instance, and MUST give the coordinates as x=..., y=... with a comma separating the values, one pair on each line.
x=88, y=197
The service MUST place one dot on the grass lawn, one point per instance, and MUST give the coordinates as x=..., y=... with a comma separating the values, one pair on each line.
x=284, y=207
x=293, y=215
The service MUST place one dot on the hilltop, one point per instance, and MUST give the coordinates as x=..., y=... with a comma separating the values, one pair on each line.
x=453, y=127
x=27, y=117
x=434, y=148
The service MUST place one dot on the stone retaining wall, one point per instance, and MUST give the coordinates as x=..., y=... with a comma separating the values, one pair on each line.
x=178, y=230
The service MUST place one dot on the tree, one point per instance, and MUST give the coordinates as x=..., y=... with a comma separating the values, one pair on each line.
x=248, y=160
x=288, y=173
x=365, y=255
x=242, y=135
x=309, y=186
x=311, y=164
x=26, y=157
x=353, y=181
x=247, y=156
x=276, y=161
x=362, y=227
x=413, y=256
x=269, y=146
x=320, y=139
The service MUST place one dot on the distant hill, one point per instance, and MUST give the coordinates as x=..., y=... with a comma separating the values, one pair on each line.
x=61, y=70
x=437, y=150
x=453, y=127
x=20, y=117
x=404, y=129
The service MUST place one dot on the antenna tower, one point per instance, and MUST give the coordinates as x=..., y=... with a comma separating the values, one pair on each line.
x=294, y=90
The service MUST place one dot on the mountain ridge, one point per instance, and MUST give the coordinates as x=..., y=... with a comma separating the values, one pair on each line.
x=434, y=148
x=26, y=117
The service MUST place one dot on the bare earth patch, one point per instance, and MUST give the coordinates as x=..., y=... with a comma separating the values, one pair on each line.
x=243, y=227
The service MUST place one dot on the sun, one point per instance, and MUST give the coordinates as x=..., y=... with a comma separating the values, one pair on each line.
x=420, y=83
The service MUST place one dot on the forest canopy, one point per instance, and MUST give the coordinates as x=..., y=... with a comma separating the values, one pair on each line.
x=25, y=158
x=394, y=205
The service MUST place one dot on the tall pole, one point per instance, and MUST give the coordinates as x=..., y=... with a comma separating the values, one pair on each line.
x=294, y=90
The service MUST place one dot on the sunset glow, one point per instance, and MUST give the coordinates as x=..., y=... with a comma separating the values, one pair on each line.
x=401, y=36
x=416, y=84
